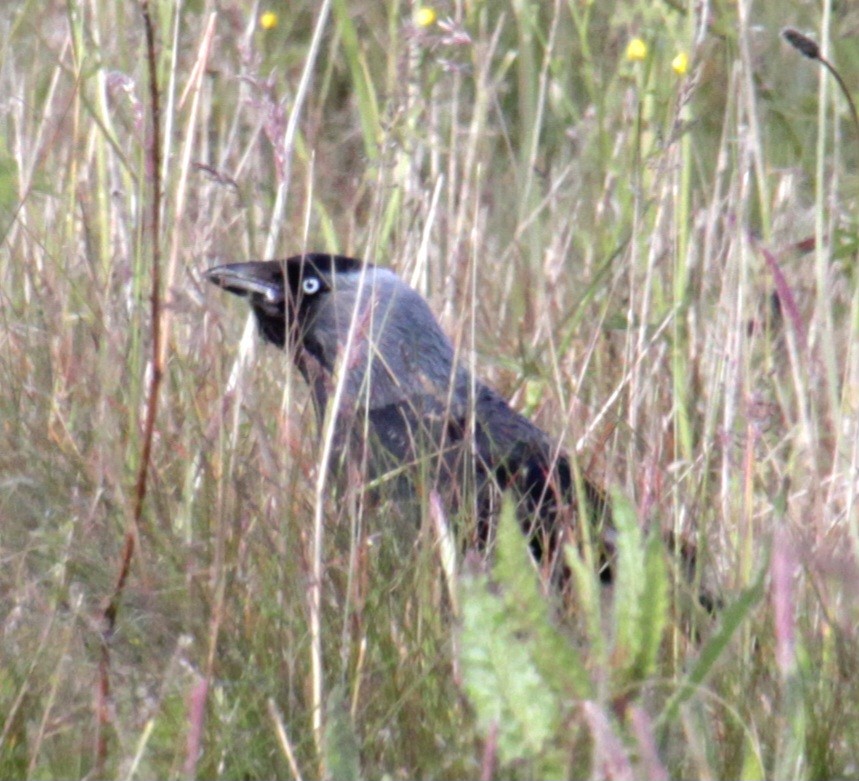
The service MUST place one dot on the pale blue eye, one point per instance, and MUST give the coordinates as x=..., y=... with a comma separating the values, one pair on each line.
x=310, y=285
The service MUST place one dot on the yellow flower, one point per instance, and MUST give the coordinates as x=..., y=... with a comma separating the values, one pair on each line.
x=268, y=20
x=425, y=16
x=680, y=64
x=636, y=50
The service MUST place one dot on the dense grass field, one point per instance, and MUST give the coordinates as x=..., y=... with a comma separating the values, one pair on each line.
x=640, y=225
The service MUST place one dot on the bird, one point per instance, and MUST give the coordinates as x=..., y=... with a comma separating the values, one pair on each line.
x=406, y=404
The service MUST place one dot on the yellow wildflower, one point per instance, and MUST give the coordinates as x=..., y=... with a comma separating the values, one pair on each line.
x=268, y=20
x=636, y=50
x=680, y=64
x=425, y=16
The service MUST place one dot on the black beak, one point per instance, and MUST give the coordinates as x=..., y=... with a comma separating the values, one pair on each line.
x=261, y=282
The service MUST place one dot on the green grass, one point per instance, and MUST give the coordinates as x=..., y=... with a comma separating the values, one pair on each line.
x=615, y=245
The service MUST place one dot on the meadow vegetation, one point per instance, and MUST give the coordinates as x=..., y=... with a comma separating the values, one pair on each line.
x=638, y=223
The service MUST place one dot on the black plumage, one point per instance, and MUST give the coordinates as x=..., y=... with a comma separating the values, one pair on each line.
x=404, y=388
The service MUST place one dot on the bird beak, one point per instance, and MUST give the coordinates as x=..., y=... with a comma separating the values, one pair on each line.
x=249, y=280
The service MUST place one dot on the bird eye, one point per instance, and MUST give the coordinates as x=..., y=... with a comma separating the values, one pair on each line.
x=310, y=285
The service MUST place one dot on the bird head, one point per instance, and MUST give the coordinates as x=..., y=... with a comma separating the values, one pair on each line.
x=311, y=302
x=287, y=295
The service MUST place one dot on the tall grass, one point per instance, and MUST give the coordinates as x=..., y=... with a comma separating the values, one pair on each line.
x=655, y=262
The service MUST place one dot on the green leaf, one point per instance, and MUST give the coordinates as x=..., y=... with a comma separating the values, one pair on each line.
x=732, y=617
x=368, y=104
x=514, y=568
x=341, y=758
x=654, y=605
x=529, y=612
x=629, y=585
x=588, y=598
x=500, y=677
x=753, y=768
x=518, y=669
